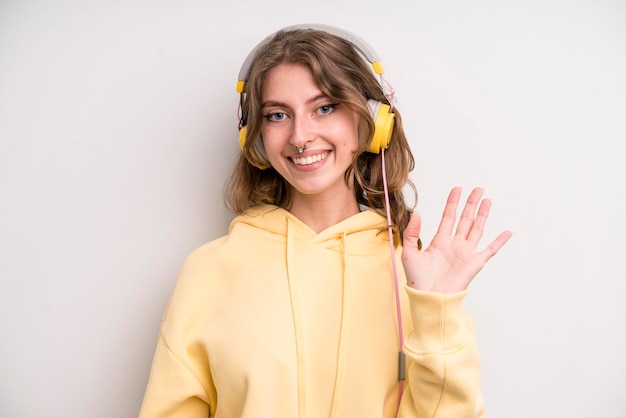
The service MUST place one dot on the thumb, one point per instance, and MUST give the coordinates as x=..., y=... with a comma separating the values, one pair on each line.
x=412, y=232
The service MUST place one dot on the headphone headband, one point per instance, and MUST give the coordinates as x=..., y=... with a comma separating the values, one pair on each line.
x=359, y=43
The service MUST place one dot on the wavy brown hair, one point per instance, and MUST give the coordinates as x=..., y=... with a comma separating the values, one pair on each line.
x=344, y=76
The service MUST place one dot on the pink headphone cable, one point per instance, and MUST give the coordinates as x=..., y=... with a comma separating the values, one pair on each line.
x=401, y=357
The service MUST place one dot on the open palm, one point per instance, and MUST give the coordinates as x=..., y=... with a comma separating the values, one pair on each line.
x=452, y=260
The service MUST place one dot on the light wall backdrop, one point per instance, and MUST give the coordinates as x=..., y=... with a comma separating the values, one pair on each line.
x=118, y=128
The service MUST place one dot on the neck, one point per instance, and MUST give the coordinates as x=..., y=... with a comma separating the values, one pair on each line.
x=319, y=213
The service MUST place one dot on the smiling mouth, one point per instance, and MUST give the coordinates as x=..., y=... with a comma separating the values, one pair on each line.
x=311, y=159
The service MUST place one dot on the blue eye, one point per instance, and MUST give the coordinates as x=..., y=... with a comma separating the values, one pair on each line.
x=275, y=117
x=327, y=109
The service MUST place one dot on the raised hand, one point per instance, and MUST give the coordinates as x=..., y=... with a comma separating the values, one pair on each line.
x=452, y=259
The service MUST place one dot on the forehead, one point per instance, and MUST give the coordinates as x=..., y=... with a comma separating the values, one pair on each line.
x=288, y=80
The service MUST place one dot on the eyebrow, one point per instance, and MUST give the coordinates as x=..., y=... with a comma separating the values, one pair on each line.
x=281, y=104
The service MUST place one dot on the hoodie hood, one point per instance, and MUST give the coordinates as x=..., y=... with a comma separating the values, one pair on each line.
x=357, y=232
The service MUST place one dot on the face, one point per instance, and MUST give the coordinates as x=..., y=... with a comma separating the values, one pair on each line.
x=298, y=115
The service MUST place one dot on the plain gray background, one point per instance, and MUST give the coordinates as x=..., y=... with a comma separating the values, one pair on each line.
x=118, y=128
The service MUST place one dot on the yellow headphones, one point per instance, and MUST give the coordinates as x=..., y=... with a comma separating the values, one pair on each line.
x=381, y=112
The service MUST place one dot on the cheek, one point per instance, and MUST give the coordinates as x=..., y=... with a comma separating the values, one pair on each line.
x=354, y=133
x=272, y=143
x=269, y=138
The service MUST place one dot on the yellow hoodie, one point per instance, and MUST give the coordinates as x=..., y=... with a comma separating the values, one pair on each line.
x=274, y=320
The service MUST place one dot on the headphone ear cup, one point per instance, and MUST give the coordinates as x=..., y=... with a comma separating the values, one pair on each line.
x=383, y=122
x=243, y=132
x=259, y=147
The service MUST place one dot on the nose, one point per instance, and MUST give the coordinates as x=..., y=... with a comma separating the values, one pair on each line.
x=302, y=131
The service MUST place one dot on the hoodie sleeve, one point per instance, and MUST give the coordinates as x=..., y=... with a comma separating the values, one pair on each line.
x=173, y=391
x=180, y=382
x=443, y=375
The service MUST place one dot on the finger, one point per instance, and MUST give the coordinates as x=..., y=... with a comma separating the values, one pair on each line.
x=467, y=216
x=412, y=231
x=478, y=227
x=495, y=246
x=449, y=212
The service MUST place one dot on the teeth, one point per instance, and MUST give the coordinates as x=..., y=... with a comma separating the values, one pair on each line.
x=310, y=159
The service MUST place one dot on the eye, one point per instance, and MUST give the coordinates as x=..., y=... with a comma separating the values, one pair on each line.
x=327, y=109
x=275, y=117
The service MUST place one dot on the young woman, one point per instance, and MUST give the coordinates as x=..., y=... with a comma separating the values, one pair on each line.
x=297, y=312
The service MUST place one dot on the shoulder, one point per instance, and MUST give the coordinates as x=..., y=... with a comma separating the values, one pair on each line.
x=246, y=233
